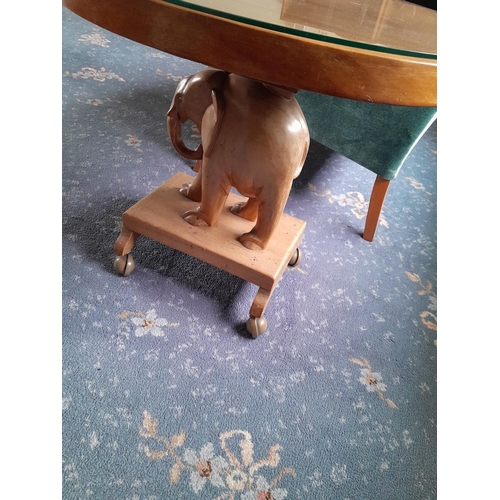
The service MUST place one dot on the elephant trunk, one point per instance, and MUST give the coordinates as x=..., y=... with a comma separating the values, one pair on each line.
x=174, y=127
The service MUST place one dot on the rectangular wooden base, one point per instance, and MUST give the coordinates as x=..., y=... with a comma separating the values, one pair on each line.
x=158, y=216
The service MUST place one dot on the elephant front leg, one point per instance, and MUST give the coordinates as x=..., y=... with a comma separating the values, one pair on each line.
x=193, y=190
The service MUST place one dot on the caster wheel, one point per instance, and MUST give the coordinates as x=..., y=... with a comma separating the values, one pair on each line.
x=296, y=258
x=124, y=265
x=256, y=326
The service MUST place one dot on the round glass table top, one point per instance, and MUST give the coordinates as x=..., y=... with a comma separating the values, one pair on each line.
x=392, y=26
x=381, y=51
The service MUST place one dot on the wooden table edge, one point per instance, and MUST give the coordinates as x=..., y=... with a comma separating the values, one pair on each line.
x=266, y=55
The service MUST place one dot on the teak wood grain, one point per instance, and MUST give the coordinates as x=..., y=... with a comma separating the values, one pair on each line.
x=266, y=55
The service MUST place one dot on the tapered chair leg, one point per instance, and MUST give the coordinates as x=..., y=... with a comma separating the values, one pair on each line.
x=375, y=207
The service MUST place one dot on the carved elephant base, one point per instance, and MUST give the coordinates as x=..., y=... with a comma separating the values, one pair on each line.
x=158, y=217
x=254, y=137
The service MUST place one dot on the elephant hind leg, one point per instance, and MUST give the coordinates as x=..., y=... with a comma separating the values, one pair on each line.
x=252, y=241
x=247, y=210
x=269, y=215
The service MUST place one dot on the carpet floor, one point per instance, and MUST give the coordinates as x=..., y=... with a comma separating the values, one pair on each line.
x=165, y=394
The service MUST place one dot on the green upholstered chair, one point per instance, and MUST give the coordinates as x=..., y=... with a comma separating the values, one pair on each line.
x=377, y=136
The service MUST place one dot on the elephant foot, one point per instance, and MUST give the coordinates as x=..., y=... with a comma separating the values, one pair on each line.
x=237, y=207
x=246, y=210
x=250, y=241
x=194, y=218
x=186, y=191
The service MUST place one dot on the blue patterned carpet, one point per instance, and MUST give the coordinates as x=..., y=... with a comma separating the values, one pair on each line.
x=165, y=395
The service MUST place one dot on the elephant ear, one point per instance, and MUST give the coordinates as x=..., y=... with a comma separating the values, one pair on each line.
x=212, y=121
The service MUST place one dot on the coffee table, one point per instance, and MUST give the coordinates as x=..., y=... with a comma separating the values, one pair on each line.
x=380, y=51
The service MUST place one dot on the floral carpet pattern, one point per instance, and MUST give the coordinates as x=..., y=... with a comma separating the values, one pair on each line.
x=165, y=395
x=225, y=472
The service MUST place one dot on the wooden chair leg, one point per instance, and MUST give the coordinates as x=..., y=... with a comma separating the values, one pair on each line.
x=375, y=207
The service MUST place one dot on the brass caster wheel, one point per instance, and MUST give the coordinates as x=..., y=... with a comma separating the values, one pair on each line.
x=256, y=326
x=124, y=265
x=296, y=258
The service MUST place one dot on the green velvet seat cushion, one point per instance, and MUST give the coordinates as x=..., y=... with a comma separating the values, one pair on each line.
x=377, y=136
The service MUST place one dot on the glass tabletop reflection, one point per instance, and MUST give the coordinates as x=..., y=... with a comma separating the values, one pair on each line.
x=393, y=26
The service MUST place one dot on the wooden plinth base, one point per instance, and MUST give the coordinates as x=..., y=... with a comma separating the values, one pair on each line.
x=158, y=216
